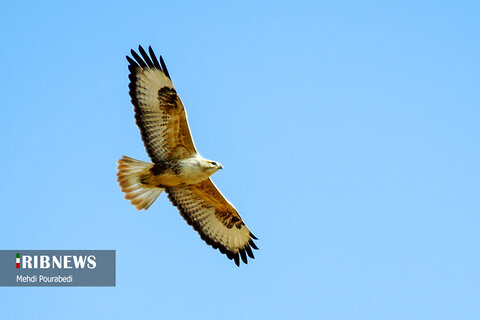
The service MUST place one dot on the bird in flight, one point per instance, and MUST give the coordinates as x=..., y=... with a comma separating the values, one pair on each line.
x=177, y=168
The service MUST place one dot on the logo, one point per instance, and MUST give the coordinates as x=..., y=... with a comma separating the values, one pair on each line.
x=57, y=268
x=54, y=261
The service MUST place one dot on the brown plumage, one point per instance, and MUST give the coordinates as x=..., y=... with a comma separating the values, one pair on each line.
x=177, y=166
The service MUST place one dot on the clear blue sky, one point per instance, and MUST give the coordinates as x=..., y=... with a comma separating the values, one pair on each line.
x=349, y=133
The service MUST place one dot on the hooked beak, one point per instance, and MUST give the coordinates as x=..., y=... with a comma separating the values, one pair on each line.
x=220, y=167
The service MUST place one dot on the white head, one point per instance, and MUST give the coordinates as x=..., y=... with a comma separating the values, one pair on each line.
x=210, y=166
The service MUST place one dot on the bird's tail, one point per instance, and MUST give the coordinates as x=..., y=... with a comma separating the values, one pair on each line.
x=130, y=173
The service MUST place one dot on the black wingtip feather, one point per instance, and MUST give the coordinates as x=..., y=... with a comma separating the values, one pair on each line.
x=145, y=57
x=249, y=252
x=154, y=58
x=164, y=67
x=243, y=256
x=237, y=260
x=138, y=59
x=252, y=244
x=251, y=235
x=132, y=62
x=132, y=68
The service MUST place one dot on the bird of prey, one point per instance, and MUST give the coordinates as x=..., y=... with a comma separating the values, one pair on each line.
x=177, y=168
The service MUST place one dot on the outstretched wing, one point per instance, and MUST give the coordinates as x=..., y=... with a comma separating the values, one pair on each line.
x=214, y=218
x=159, y=113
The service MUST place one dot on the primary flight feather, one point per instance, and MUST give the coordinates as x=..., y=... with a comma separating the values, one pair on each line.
x=177, y=168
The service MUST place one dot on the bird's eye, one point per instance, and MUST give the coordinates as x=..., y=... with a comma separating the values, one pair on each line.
x=214, y=163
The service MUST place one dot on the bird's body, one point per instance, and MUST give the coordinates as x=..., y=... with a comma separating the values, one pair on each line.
x=179, y=173
x=177, y=168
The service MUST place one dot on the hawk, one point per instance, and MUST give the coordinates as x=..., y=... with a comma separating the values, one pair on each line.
x=177, y=168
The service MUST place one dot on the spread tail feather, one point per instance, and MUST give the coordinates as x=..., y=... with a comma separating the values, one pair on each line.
x=130, y=173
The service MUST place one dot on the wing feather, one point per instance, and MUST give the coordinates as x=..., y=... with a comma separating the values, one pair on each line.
x=155, y=61
x=159, y=112
x=145, y=56
x=216, y=220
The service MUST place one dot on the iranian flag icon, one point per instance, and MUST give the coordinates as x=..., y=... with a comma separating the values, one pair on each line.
x=18, y=261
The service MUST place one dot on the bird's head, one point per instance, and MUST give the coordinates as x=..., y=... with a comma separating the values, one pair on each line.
x=212, y=166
